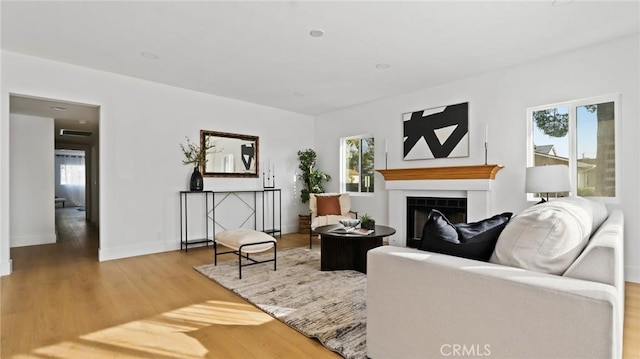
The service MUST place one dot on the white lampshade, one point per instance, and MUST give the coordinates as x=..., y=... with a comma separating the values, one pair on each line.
x=547, y=179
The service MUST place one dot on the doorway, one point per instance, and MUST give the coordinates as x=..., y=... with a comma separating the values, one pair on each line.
x=74, y=156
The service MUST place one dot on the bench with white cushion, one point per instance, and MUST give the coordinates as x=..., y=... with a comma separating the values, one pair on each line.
x=60, y=200
x=243, y=242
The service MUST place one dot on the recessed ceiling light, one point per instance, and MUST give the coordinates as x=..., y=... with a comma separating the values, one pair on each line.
x=316, y=33
x=149, y=55
x=58, y=108
x=82, y=122
x=298, y=94
x=382, y=66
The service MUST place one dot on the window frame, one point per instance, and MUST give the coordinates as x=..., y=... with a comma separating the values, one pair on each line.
x=572, y=134
x=343, y=165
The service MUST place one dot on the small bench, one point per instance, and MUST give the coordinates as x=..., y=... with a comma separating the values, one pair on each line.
x=247, y=241
x=60, y=200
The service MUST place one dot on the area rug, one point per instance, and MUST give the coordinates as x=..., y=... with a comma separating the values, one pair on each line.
x=329, y=306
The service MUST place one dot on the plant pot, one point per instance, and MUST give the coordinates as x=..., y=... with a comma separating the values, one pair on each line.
x=196, y=183
x=304, y=224
x=369, y=225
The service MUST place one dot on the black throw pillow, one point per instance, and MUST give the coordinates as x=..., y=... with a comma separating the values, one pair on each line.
x=437, y=228
x=475, y=240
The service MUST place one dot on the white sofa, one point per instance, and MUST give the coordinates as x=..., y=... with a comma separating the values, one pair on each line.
x=429, y=305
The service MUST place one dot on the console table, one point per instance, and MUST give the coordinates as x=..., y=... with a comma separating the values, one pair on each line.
x=213, y=200
x=184, y=217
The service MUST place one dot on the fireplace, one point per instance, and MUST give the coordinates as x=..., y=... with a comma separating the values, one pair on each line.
x=455, y=209
x=471, y=183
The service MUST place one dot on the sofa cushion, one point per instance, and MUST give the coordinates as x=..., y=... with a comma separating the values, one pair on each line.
x=469, y=240
x=545, y=238
x=328, y=205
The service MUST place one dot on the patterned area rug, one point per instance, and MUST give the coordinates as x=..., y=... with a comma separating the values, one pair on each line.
x=329, y=306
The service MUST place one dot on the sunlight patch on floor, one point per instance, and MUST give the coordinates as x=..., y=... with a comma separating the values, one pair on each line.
x=166, y=334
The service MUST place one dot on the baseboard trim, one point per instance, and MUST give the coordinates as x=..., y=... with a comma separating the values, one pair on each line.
x=111, y=253
x=6, y=267
x=632, y=274
x=24, y=241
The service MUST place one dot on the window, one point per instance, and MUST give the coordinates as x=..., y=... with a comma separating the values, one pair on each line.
x=72, y=175
x=581, y=134
x=357, y=164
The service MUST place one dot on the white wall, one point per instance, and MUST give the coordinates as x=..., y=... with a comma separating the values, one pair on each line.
x=500, y=99
x=32, y=219
x=141, y=126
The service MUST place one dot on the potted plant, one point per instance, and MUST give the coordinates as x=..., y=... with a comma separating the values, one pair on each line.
x=312, y=179
x=198, y=157
x=367, y=222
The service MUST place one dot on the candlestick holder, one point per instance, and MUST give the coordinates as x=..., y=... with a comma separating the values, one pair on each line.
x=386, y=158
x=268, y=181
x=485, y=152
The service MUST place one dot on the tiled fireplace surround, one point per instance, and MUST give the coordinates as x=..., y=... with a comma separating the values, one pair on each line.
x=470, y=182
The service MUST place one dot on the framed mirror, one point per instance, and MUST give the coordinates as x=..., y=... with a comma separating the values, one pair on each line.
x=229, y=154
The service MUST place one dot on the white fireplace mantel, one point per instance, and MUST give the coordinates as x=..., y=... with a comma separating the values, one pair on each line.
x=470, y=182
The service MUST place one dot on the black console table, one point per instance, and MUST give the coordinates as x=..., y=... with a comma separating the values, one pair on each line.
x=265, y=195
x=184, y=218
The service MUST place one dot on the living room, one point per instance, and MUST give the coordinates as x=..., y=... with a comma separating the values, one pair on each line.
x=142, y=123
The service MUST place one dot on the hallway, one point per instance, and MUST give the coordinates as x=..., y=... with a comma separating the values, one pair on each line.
x=77, y=242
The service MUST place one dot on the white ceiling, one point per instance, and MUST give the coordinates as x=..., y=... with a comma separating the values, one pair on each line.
x=66, y=115
x=261, y=51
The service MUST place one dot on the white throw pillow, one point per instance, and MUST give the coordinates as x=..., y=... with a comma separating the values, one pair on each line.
x=546, y=237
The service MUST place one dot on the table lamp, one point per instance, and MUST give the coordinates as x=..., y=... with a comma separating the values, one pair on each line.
x=547, y=179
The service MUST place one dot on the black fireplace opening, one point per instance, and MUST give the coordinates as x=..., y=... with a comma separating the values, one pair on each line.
x=455, y=209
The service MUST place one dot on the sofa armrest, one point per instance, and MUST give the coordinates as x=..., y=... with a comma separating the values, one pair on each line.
x=423, y=304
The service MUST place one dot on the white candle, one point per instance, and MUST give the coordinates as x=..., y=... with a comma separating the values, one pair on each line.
x=386, y=145
x=486, y=133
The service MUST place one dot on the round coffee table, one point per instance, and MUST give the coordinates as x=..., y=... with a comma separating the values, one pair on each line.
x=341, y=251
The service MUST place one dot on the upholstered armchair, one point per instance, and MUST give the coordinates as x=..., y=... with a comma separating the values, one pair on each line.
x=329, y=208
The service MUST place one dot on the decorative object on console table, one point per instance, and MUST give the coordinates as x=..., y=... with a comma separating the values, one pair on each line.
x=547, y=179
x=367, y=222
x=269, y=177
x=196, y=183
x=195, y=155
x=440, y=132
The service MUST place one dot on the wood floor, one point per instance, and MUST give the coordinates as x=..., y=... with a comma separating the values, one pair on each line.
x=60, y=302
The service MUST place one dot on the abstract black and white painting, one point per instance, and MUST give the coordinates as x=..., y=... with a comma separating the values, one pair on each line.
x=440, y=132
